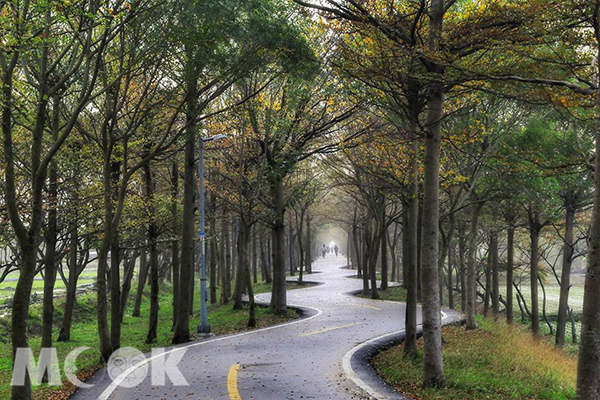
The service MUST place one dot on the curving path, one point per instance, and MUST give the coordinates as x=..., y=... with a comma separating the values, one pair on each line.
x=303, y=359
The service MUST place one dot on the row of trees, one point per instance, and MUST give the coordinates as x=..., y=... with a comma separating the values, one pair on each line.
x=457, y=67
x=448, y=121
x=103, y=106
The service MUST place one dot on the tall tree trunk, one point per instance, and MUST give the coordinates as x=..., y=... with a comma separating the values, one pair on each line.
x=588, y=367
x=115, y=268
x=65, y=329
x=264, y=256
x=534, y=234
x=308, y=258
x=182, y=328
x=392, y=241
x=419, y=245
x=192, y=283
x=243, y=276
x=462, y=270
x=384, y=253
x=349, y=251
x=441, y=263
x=228, y=261
x=128, y=277
x=405, y=251
x=488, y=281
x=142, y=277
x=152, y=239
x=450, y=272
x=234, y=235
x=20, y=311
x=373, y=256
x=27, y=236
x=565, y=281
x=410, y=252
x=509, y=272
x=51, y=239
x=278, y=295
x=225, y=278
x=365, y=234
x=254, y=256
x=472, y=268
x=212, y=237
x=101, y=284
x=433, y=363
x=301, y=249
x=291, y=248
x=175, y=265
x=244, y=268
x=495, y=276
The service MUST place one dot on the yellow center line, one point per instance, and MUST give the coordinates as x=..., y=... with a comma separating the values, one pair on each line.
x=328, y=329
x=232, y=383
x=371, y=307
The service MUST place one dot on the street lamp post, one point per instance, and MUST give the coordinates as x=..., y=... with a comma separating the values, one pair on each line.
x=203, y=327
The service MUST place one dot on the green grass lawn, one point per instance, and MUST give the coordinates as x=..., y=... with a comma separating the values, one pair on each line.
x=7, y=288
x=222, y=318
x=395, y=293
x=495, y=362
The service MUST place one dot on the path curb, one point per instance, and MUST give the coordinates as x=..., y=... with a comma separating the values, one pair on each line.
x=357, y=363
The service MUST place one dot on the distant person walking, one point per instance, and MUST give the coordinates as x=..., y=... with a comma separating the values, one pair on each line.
x=323, y=250
x=335, y=248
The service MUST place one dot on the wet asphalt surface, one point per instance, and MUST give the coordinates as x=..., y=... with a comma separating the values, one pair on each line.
x=301, y=360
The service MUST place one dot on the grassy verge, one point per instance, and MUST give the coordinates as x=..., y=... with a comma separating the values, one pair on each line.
x=495, y=362
x=396, y=293
x=222, y=318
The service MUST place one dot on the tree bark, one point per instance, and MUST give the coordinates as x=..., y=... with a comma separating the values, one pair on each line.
x=411, y=240
x=384, y=253
x=534, y=235
x=472, y=268
x=278, y=295
x=509, y=273
x=65, y=329
x=291, y=248
x=419, y=243
x=495, y=276
x=115, y=267
x=433, y=363
x=254, y=258
x=301, y=249
x=51, y=240
x=142, y=277
x=128, y=277
x=565, y=281
x=588, y=367
x=405, y=251
x=488, y=281
x=182, y=329
x=450, y=272
x=373, y=243
x=175, y=265
x=228, y=267
x=243, y=271
x=365, y=234
x=308, y=257
x=225, y=277
x=152, y=240
x=212, y=237
x=462, y=270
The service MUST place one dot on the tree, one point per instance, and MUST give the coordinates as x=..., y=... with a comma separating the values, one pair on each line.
x=54, y=60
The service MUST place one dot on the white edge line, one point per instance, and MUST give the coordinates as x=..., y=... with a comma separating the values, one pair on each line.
x=349, y=371
x=115, y=383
